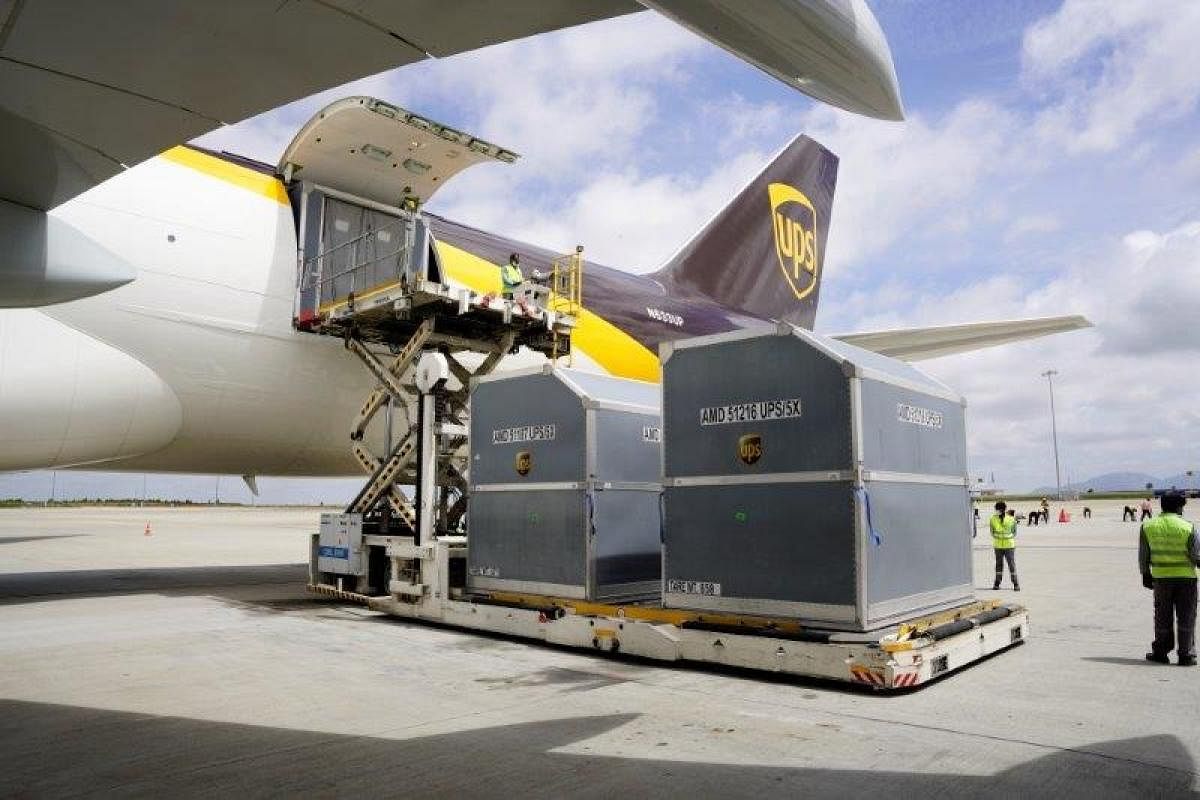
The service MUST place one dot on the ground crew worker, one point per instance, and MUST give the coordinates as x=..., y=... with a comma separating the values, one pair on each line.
x=1004, y=542
x=510, y=275
x=1168, y=554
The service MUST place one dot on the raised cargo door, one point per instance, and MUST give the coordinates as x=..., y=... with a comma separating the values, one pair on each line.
x=380, y=152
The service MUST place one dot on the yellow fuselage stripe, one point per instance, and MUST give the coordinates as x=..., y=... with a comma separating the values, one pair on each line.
x=613, y=349
x=259, y=183
x=606, y=344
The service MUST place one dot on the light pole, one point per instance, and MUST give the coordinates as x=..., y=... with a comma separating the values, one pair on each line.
x=1049, y=376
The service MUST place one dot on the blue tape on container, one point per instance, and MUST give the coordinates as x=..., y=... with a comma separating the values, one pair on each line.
x=325, y=551
x=876, y=537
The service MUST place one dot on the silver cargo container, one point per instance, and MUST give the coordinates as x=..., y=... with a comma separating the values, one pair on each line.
x=564, y=485
x=811, y=479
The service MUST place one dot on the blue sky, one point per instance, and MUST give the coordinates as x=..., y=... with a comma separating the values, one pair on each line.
x=1050, y=164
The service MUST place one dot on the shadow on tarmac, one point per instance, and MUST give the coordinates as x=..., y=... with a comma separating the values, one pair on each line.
x=1123, y=662
x=20, y=539
x=57, y=750
x=22, y=587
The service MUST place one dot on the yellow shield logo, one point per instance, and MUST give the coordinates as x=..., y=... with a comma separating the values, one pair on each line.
x=524, y=462
x=750, y=448
x=794, y=222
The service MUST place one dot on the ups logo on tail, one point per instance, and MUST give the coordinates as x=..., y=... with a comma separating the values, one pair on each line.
x=794, y=222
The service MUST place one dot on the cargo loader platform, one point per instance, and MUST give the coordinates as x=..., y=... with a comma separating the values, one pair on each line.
x=897, y=658
x=391, y=313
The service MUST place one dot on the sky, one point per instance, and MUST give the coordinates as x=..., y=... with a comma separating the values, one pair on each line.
x=1049, y=164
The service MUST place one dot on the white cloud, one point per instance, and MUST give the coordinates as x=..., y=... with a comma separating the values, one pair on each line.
x=1032, y=224
x=1125, y=388
x=567, y=99
x=1189, y=165
x=1148, y=61
x=897, y=180
x=1055, y=42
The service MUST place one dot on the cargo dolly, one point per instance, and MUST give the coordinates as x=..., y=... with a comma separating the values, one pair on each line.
x=898, y=658
x=433, y=575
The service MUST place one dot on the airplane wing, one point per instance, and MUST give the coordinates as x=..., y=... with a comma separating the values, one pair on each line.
x=87, y=89
x=917, y=344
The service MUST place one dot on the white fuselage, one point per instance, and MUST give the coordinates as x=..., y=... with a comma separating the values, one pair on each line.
x=195, y=365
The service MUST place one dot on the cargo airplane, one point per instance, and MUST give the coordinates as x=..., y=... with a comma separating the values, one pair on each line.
x=163, y=337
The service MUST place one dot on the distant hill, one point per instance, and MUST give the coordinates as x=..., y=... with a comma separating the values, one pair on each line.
x=1126, y=482
x=1109, y=482
x=1180, y=481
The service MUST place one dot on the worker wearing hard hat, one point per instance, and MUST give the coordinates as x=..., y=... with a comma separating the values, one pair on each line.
x=1004, y=542
x=1168, y=554
x=510, y=275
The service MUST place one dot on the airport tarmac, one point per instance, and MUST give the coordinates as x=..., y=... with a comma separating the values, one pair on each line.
x=192, y=662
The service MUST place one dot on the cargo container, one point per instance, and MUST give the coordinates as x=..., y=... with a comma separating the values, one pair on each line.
x=810, y=479
x=564, y=485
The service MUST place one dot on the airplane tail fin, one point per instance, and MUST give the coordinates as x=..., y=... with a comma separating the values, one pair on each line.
x=763, y=253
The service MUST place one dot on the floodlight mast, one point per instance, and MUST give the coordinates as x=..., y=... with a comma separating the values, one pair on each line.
x=1049, y=376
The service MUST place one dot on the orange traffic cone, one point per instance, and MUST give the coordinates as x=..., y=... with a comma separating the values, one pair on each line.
x=148, y=532
x=1063, y=516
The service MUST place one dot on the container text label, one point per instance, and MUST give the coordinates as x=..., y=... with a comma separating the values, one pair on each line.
x=524, y=433
x=915, y=415
x=758, y=411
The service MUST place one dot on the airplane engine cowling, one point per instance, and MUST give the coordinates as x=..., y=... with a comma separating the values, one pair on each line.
x=68, y=399
x=45, y=260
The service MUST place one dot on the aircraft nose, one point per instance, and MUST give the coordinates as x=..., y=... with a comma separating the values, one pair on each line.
x=47, y=260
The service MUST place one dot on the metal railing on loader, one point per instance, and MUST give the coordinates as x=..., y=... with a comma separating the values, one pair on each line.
x=566, y=293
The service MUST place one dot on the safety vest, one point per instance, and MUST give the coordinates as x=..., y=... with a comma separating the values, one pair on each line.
x=510, y=274
x=1167, y=534
x=1004, y=532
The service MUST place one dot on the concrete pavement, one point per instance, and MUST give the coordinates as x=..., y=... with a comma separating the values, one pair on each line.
x=191, y=662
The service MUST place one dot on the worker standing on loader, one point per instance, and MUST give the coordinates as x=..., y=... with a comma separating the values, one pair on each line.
x=1004, y=542
x=510, y=276
x=1168, y=554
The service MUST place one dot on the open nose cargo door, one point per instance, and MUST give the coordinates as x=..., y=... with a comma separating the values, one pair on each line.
x=358, y=173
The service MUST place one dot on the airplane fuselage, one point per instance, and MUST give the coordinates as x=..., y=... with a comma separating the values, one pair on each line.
x=195, y=365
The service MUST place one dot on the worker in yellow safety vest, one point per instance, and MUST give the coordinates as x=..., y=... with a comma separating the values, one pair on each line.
x=510, y=275
x=1168, y=554
x=1004, y=542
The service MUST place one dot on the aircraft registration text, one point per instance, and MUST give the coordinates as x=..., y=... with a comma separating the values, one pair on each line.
x=664, y=316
